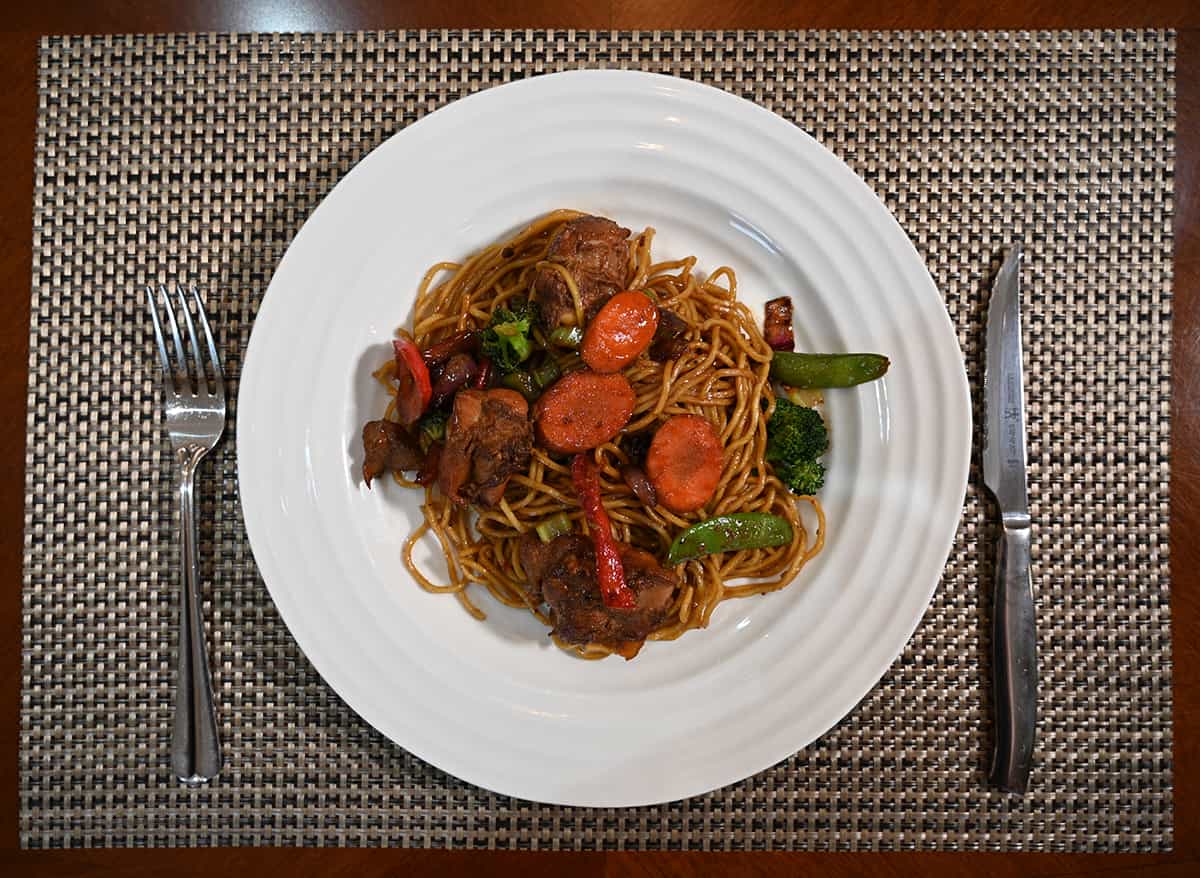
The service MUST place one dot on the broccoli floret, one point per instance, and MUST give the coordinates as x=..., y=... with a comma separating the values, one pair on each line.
x=507, y=340
x=432, y=428
x=795, y=432
x=796, y=437
x=805, y=477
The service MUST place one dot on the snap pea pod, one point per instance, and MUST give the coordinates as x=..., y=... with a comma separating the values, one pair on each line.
x=531, y=384
x=730, y=533
x=567, y=337
x=545, y=375
x=522, y=382
x=826, y=370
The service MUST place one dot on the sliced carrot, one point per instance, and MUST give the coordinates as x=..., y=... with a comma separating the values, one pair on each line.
x=619, y=332
x=684, y=462
x=582, y=410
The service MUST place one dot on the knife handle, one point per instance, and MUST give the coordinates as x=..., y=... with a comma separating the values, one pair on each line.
x=1014, y=660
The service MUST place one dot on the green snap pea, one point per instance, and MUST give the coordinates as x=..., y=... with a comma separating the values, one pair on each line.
x=567, y=337
x=522, y=382
x=545, y=375
x=730, y=533
x=827, y=370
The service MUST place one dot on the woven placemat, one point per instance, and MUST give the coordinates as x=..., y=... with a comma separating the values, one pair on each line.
x=200, y=156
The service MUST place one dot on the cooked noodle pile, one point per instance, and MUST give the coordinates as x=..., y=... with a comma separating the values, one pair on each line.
x=721, y=376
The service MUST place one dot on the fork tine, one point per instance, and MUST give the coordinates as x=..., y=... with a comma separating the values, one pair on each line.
x=201, y=375
x=164, y=360
x=214, y=357
x=182, y=370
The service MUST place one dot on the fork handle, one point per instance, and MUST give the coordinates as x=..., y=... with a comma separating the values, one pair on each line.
x=195, y=747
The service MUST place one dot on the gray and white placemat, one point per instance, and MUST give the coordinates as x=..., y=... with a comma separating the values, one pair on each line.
x=199, y=156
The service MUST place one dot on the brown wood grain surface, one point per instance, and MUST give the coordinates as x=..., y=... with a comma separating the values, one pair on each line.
x=18, y=104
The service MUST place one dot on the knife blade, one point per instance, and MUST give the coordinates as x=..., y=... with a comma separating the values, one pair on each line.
x=1014, y=634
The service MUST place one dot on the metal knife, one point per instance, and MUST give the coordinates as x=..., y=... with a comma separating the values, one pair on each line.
x=1014, y=635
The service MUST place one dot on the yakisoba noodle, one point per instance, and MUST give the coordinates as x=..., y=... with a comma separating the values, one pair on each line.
x=722, y=375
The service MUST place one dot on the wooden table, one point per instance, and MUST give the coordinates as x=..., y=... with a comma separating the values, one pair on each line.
x=18, y=98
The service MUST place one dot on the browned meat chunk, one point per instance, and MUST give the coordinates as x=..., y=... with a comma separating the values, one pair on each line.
x=595, y=250
x=569, y=587
x=538, y=558
x=387, y=446
x=428, y=473
x=777, y=325
x=489, y=438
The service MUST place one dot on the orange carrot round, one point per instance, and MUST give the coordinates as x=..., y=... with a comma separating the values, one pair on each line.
x=684, y=462
x=619, y=332
x=582, y=410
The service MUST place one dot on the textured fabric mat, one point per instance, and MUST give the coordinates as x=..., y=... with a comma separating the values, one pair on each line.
x=200, y=156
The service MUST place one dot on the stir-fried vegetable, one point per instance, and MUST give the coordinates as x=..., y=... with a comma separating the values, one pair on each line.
x=809, y=397
x=684, y=462
x=827, y=370
x=531, y=383
x=567, y=337
x=483, y=378
x=796, y=437
x=639, y=483
x=522, y=382
x=804, y=477
x=464, y=342
x=730, y=533
x=545, y=374
x=432, y=428
x=609, y=571
x=583, y=410
x=452, y=376
x=554, y=526
x=413, y=387
x=619, y=332
x=507, y=339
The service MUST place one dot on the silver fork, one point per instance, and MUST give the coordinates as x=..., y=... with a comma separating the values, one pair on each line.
x=194, y=398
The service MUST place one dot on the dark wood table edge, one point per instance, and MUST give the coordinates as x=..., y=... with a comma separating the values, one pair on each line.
x=18, y=102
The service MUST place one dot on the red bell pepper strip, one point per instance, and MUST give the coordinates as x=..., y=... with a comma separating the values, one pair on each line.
x=414, y=389
x=609, y=571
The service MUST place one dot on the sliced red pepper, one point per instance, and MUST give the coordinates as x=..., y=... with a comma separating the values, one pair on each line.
x=609, y=571
x=412, y=377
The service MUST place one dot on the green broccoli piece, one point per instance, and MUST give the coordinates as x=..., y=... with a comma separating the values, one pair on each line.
x=796, y=437
x=795, y=432
x=432, y=428
x=804, y=478
x=507, y=340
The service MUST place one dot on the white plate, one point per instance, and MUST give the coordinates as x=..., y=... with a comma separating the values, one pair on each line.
x=494, y=703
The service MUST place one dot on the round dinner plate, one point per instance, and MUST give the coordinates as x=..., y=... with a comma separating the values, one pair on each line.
x=494, y=702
